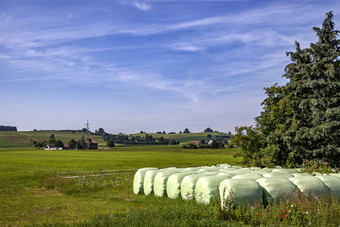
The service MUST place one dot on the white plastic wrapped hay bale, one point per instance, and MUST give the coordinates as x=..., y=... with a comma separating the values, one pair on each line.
x=240, y=191
x=173, y=185
x=332, y=182
x=285, y=171
x=249, y=176
x=161, y=178
x=138, y=180
x=206, y=188
x=191, y=169
x=148, y=181
x=235, y=167
x=243, y=170
x=229, y=172
x=335, y=174
x=188, y=185
x=300, y=174
x=279, y=175
x=210, y=169
x=275, y=189
x=263, y=171
x=229, y=175
x=224, y=165
x=310, y=185
x=255, y=168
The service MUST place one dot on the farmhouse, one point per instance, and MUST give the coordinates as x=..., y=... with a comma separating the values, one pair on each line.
x=93, y=144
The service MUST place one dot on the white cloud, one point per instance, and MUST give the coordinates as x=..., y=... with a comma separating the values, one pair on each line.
x=142, y=6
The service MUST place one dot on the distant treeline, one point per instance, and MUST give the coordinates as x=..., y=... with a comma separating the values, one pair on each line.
x=63, y=130
x=125, y=139
x=8, y=128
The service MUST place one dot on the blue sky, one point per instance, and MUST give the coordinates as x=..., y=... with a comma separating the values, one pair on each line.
x=128, y=65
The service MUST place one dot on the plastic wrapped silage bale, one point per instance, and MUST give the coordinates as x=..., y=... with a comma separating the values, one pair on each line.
x=240, y=191
x=188, y=185
x=310, y=185
x=228, y=172
x=206, y=188
x=148, y=181
x=210, y=169
x=263, y=171
x=243, y=170
x=335, y=174
x=249, y=176
x=255, y=168
x=191, y=169
x=300, y=174
x=275, y=189
x=173, y=185
x=331, y=182
x=285, y=171
x=235, y=167
x=161, y=178
x=138, y=180
x=280, y=175
x=224, y=165
x=229, y=175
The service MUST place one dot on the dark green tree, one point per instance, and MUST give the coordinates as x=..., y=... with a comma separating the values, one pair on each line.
x=59, y=143
x=52, y=138
x=302, y=118
x=82, y=143
x=110, y=143
x=314, y=79
x=186, y=131
x=208, y=130
x=72, y=144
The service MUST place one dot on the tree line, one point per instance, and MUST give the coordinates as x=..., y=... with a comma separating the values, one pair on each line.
x=7, y=128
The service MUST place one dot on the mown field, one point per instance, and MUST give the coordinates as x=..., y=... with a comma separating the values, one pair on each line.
x=31, y=194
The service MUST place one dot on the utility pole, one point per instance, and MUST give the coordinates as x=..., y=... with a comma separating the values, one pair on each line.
x=87, y=137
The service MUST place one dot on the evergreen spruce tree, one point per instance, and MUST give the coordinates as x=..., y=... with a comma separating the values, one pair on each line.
x=315, y=83
x=302, y=118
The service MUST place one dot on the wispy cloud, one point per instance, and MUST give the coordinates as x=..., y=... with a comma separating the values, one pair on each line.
x=142, y=6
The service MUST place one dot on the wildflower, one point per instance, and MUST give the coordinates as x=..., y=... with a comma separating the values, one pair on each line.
x=306, y=212
x=292, y=206
x=284, y=211
x=282, y=215
x=257, y=215
x=286, y=215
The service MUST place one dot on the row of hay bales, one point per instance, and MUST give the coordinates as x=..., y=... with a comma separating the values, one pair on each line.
x=247, y=185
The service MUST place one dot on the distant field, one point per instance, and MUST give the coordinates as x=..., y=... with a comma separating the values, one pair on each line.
x=23, y=139
x=25, y=201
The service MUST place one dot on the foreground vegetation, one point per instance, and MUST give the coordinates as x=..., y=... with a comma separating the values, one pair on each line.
x=35, y=190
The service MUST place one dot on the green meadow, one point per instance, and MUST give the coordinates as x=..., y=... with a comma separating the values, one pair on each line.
x=94, y=188
x=27, y=197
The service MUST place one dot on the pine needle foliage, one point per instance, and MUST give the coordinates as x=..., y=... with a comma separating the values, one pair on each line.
x=301, y=120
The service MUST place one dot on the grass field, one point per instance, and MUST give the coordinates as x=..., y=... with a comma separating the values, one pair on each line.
x=23, y=138
x=25, y=199
x=35, y=189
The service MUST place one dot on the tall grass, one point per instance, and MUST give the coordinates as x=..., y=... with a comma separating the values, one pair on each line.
x=298, y=210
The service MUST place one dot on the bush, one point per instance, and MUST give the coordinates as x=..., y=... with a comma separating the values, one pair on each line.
x=317, y=166
x=110, y=143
